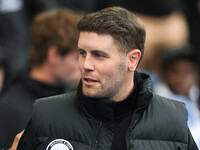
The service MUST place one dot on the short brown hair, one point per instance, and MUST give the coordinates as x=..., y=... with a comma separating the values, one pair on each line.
x=126, y=29
x=54, y=28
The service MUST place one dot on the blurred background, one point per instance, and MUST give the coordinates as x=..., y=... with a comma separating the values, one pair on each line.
x=172, y=49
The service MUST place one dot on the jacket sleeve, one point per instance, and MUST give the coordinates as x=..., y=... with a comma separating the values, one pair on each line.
x=26, y=141
x=191, y=143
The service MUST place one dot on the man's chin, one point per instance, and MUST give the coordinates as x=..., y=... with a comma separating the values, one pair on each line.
x=90, y=93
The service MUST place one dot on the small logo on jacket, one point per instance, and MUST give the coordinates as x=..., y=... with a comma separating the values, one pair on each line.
x=59, y=144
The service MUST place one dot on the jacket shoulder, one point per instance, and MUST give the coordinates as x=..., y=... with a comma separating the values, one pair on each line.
x=163, y=120
x=54, y=101
x=51, y=111
x=169, y=106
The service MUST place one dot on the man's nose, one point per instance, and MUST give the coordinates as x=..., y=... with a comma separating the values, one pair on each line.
x=87, y=64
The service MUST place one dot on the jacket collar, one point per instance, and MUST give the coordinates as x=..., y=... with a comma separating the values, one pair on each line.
x=105, y=109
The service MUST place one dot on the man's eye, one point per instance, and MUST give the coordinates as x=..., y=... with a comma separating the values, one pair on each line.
x=82, y=53
x=99, y=55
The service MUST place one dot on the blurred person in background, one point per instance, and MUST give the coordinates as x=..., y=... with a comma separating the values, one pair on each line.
x=180, y=80
x=54, y=70
x=179, y=67
x=16, y=17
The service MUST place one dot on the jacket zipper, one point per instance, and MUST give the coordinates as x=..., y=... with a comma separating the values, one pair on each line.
x=97, y=135
x=135, y=121
x=127, y=132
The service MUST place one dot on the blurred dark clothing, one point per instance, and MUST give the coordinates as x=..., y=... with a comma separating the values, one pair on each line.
x=86, y=6
x=15, y=18
x=16, y=106
x=193, y=16
x=151, y=7
x=14, y=41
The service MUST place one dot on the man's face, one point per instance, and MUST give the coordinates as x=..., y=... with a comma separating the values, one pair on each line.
x=181, y=76
x=103, y=66
x=66, y=71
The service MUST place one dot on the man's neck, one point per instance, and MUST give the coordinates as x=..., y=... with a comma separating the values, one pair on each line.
x=41, y=74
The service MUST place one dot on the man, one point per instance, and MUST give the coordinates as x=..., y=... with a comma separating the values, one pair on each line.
x=180, y=78
x=16, y=17
x=54, y=70
x=114, y=107
x=179, y=67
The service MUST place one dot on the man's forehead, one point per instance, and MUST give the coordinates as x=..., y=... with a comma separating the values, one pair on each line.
x=95, y=41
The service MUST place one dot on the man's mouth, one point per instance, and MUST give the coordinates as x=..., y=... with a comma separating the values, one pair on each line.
x=89, y=80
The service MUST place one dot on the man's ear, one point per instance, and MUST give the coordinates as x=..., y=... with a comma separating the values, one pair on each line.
x=53, y=55
x=133, y=59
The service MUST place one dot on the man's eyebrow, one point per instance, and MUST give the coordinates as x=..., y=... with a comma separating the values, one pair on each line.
x=93, y=51
x=80, y=49
x=99, y=51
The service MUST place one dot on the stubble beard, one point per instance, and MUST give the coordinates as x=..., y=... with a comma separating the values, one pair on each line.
x=110, y=86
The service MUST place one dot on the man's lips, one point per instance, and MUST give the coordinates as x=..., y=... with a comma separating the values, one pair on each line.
x=89, y=80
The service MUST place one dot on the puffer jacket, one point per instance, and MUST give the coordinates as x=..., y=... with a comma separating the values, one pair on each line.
x=69, y=121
